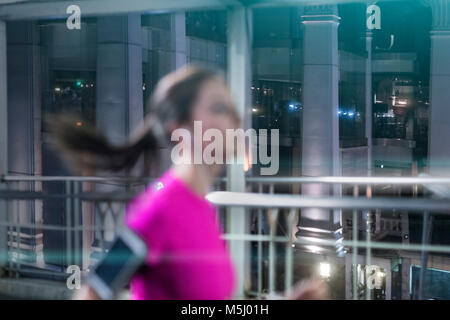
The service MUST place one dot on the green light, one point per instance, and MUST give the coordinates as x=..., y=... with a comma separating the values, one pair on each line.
x=78, y=83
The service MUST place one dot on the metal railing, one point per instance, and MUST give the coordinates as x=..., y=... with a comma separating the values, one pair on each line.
x=105, y=198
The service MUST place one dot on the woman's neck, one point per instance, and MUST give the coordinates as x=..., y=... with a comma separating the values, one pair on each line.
x=198, y=177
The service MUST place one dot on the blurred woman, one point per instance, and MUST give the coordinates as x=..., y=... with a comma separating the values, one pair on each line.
x=187, y=259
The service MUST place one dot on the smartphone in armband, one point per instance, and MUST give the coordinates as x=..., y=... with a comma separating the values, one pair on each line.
x=126, y=255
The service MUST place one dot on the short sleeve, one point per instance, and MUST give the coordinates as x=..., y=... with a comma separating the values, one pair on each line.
x=148, y=223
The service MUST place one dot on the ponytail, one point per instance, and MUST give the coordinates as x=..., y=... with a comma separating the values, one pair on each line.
x=89, y=150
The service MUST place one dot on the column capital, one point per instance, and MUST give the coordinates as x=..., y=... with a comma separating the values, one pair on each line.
x=440, y=12
x=366, y=34
x=320, y=13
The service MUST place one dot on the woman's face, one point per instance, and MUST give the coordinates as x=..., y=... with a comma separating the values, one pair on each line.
x=215, y=109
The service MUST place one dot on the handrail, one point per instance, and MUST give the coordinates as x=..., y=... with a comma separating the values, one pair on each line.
x=256, y=200
x=86, y=196
x=25, y=178
x=361, y=180
x=421, y=180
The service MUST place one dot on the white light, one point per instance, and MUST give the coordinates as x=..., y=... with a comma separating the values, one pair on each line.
x=324, y=269
x=57, y=89
x=313, y=249
x=382, y=166
x=254, y=109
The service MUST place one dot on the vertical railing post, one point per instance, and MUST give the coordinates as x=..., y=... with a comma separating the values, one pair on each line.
x=368, y=250
x=239, y=79
x=355, y=248
x=3, y=143
x=18, y=242
x=368, y=239
x=273, y=218
x=68, y=224
x=77, y=224
x=272, y=249
x=260, y=244
x=289, y=267
x=426, y=238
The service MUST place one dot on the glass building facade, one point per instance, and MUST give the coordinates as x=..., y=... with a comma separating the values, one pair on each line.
x=353, y=91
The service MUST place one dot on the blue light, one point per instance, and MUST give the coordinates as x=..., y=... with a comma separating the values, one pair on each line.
x=293, y=106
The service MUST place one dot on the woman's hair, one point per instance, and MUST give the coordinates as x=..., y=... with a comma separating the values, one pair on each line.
x=170, y=105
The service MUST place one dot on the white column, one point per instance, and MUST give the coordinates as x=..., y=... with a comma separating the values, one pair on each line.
x=178, y=34
x=439, y=143
x=119, y=76
x=119, y=109
x=320, y=125
x=178, y=59
x=3, y=139
x=24, y=122
x=368, y=99
x=239, y=79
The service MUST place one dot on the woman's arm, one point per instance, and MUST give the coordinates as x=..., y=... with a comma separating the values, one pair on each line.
x=311, y=289
x=86, y=293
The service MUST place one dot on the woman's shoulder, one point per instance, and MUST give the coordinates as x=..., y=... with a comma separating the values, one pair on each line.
x=155, y=198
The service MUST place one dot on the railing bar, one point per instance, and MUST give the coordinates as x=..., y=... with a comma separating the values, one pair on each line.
x=279, y=200
x=11, y=227
x=289, y=253
x=68, y=224
x=368, y=251
x=246, y=199
x=331, y=243
x=369, y=221
x=355, y=249
x=24, y=178
x=272, y=250
x=362, y=180
x=19, y=239
x=8, y=236
x=260, y=245
x=266, y=238
x=273, y=213
x=77, y=215
x=54, y=227
x=426, y=237
x=15, y=238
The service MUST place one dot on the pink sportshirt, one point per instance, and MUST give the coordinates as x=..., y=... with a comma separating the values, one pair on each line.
x=186, y=257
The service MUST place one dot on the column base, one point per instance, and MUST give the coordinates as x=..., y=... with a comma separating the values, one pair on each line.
x=318, y=236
